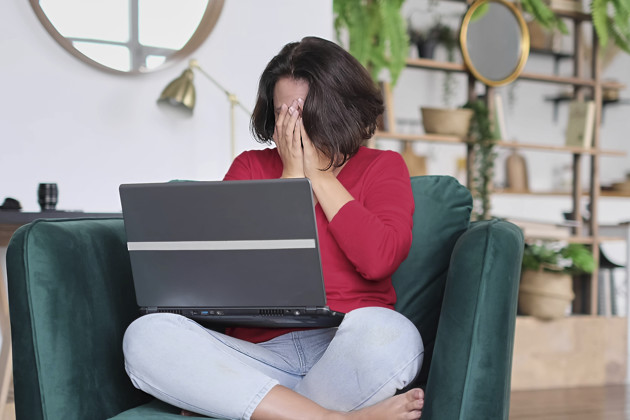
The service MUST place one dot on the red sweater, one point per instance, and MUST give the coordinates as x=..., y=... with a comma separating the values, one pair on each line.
x=367, y=239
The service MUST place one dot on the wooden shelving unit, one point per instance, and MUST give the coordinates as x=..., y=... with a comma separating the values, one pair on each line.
x=580, y=83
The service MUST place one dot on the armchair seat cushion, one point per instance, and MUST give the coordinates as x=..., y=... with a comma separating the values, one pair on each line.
x=155, y=410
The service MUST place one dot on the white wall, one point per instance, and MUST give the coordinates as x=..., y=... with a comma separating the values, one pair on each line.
x=89, y=131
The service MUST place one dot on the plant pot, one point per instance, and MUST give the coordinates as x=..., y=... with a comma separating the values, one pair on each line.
x=450, y=122
x=539, y=38
x=426, y=47
x=545, y=295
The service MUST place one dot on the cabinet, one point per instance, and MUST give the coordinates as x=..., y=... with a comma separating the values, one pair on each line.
x=585, y=83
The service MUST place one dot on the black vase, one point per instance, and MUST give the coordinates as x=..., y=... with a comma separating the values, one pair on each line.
x=426, y=47
x=47, y=196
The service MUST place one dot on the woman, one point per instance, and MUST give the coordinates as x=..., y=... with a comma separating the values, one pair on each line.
x=318, y=105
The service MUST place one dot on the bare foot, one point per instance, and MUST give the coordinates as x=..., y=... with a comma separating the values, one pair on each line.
x=282, y=403
x=407, y=406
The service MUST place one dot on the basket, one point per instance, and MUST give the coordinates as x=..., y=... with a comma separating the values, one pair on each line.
x=450, y=122
x=545, y=295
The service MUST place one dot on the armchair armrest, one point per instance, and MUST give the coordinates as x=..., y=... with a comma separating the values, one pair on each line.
x=71, y=298
x=470, y=373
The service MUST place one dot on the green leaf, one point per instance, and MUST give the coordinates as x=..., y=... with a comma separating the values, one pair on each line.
x=599, y=14
x=544, y=15
x=377, y=33
x=480, y=11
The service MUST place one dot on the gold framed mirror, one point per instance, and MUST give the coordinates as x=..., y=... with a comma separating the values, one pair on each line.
x=128, y=36
x=495, y=41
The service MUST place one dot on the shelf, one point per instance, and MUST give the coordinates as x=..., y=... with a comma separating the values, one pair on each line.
x=610, y=193
x=574, y=150
x=420, y=137
x=556, y=54
x=586, y=240
x=562, y=98
x=458, y=140
x=557, y=99
x=602, y=193
x=429, y=64
x=549, y=78
x=570, y=14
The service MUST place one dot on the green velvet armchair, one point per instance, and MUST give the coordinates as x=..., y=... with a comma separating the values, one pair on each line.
x=71, y=298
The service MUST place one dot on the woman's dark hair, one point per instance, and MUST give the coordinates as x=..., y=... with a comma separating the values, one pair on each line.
x=342, y=105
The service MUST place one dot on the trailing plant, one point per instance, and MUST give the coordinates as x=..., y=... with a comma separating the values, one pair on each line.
x=377, y=34
x=542, y=14
x=558, y=257
x=483, y=139
x=611, y=20
x=446, y=37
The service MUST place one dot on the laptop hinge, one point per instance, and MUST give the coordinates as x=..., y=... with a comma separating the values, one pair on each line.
x=151, y=309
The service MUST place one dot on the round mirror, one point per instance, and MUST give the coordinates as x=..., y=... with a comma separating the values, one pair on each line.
x=128, y=36
x=494, y=41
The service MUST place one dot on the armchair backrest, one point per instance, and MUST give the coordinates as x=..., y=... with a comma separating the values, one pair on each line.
x=442, y=214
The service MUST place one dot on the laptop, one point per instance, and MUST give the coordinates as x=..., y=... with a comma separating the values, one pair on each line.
x=227, y=252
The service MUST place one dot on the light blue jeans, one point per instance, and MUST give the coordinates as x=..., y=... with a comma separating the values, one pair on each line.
x=373, y=353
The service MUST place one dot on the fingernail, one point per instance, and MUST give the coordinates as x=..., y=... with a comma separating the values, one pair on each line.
x=291, y=110
x=300, y=100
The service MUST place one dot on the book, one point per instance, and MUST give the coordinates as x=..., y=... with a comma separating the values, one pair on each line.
x=580, y=124
x=500, y=132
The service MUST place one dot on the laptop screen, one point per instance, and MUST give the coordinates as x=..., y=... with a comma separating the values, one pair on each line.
x=223, y=243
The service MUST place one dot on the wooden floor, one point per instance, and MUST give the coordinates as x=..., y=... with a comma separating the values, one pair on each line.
x=601, y=403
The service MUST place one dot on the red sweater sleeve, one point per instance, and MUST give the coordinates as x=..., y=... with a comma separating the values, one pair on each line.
x=240, y=168
x=374, y=230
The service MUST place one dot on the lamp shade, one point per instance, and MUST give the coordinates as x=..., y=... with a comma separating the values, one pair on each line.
x=180, y=93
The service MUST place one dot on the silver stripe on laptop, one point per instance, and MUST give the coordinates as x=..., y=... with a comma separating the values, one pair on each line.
x=221, y=245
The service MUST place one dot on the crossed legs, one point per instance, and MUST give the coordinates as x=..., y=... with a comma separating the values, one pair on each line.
x=350, y=372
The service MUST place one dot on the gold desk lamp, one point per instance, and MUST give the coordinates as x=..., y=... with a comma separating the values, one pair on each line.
x=180, y=93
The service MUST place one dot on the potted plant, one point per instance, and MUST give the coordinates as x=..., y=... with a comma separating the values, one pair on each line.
x=546, y=288
x=427, y=40
x=376, y=33
x=611, y=20
x=424, y=41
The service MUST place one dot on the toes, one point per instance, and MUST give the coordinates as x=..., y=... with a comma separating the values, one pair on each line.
x=415, y=394
x=415, y=405
x=413, y=415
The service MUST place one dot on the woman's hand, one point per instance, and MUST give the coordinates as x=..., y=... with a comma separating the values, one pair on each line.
x=315, y=162
x=328, y=191
x=288, y=140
